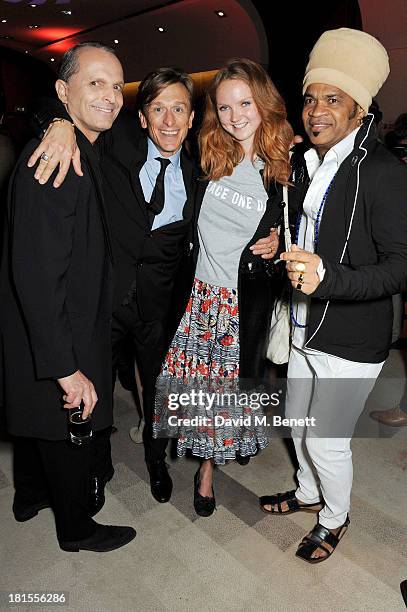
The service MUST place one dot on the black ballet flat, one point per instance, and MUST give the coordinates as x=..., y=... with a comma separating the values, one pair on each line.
x=204, y=506
x=242, y=460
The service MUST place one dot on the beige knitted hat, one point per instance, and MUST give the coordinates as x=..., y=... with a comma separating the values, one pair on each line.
x=349, y=59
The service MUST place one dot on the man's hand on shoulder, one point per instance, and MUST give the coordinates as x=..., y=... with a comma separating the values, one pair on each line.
x=296, y=140
x=78, y=389
x=58, y=147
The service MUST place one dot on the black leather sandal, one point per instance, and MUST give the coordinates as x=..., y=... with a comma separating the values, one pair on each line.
x=316, y=539
x=292, y=502
x=204, y=506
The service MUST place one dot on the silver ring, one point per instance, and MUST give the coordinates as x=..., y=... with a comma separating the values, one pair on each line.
x=45, y=157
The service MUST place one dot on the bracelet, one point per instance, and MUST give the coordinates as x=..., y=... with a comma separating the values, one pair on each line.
x=59, y=119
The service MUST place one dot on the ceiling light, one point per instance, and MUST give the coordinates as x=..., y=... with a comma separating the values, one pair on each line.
x=52, y=59
x=116, y=41
x=66, y=12
x=33, y=27
x=26, y=51
x=160, y=29
x=4, y=21
x=33, y=5
x=220, y=13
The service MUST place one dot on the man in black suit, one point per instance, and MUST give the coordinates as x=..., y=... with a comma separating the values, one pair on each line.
x=56, y=296
x=150, y=240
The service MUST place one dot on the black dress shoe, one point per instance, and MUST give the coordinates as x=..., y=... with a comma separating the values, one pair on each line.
x=242, y=460
x=160, y=481
x=403, y=589
x=97, y=492
x=105, y=538
x=24, y=513
x=204, y=506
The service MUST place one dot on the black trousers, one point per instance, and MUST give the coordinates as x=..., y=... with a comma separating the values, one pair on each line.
x=60, y=472
x=150, y=344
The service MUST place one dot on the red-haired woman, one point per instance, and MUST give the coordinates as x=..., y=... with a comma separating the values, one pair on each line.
x=244, y=146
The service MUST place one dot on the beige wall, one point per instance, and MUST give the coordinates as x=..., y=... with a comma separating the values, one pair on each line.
x=393, y=96
x=387, y=20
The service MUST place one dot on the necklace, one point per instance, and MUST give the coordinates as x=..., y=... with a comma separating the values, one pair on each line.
x=316, y=237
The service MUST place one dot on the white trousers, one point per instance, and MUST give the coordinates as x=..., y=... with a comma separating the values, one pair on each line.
x=333, y=391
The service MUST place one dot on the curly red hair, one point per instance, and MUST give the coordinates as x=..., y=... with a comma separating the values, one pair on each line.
x=220, y=152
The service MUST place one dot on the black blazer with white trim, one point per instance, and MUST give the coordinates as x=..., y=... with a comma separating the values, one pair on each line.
x=363, y=245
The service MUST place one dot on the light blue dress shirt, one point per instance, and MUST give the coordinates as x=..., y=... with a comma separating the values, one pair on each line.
x=174, y=189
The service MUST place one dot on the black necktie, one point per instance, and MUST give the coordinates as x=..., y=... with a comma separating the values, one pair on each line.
x=157, y=197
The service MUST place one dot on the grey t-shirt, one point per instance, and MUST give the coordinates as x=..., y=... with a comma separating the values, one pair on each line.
x=230, y=213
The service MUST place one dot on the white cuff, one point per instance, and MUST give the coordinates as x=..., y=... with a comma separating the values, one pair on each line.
x=321, y=271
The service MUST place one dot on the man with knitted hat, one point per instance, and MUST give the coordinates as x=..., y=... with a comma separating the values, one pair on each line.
x=349, y=257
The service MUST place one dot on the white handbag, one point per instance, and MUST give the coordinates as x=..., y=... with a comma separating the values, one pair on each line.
x=278, y=349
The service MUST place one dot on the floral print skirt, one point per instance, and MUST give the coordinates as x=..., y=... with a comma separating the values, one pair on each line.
x=197, y=392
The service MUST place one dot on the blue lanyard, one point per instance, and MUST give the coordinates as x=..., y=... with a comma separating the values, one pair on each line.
x=316, y=236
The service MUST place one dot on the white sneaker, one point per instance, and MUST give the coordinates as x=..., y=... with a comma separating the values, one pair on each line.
x=136, y=432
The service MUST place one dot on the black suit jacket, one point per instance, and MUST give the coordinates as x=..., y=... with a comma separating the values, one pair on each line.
x=363, y=245
x=150, y=265
x=56, y=296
